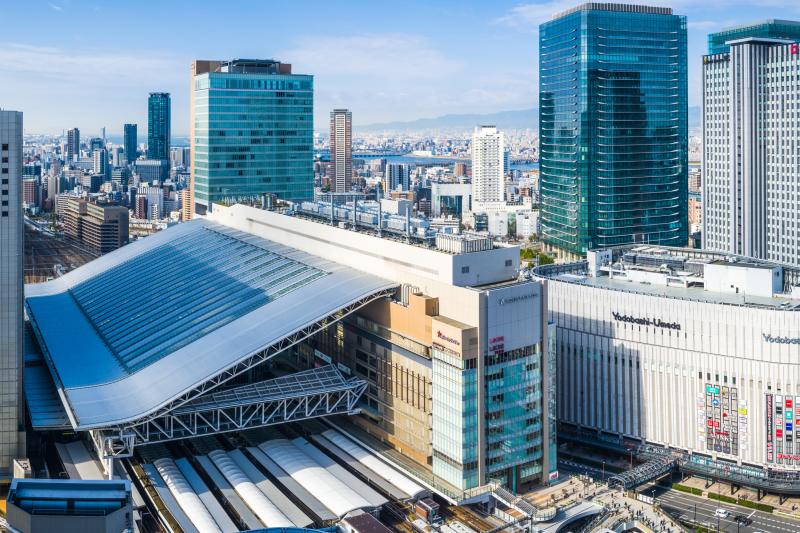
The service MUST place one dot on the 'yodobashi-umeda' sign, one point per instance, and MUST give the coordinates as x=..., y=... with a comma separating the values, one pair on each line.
x=645, y=321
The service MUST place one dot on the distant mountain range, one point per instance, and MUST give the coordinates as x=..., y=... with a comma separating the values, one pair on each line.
x=504, y=120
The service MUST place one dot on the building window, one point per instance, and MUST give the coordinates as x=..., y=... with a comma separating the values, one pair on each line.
x=509, y=262
x=465, y=270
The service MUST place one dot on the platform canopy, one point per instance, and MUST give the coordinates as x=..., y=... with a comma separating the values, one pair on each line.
x=165, y=319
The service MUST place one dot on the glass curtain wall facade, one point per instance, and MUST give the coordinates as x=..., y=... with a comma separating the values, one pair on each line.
x=613, y=127
x=158, y=126
x=253, y=134
x=455, y=420
x=772, y=29
x=513, y=397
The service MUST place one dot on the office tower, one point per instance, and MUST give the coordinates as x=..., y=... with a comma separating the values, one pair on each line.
x=397, y=177
x=102, y=228
x=141, y=207
x=459, y=170
x=96, y=143
x=11, y=280
x=488, y=154
x=613, y=127
x=341, y=144
x=99, y=161
x=272, y=151
x=117, y=156
x=154, y=197
x=152, y=169
x=750, y=129
x=158, y=126
x=121, y=176
x=130, y=143
x=30, y=192
x=54, y=181
x=73, y=145
x=768, y=29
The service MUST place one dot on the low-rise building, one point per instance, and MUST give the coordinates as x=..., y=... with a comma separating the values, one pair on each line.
x=101, y=227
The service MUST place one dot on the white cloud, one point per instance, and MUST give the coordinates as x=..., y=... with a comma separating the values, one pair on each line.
x=531, y=15
x=55, y=7
x=386, y=56
x=34, y=63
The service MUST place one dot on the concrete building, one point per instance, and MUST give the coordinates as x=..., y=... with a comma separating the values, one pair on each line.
x=691, y=350
x=187, y=205
x=457, y=364
x=30, y=192
x=150, y=170
x=341, y=146
x=450, y=199
x=460, y=170
x=396, y=178
x=99, y=161
x=73, y=148
x=488, y=174
x=155, y=201
x=101, y=227
x=11, y=292
x=751, y=205
x=272, y=152
x=527, y=224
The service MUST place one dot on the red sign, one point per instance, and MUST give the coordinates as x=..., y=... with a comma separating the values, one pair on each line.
x=788, y=402
x=794, y=49
x=779, y=433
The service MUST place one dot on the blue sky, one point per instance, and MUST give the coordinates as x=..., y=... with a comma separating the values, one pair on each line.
x=90, y=64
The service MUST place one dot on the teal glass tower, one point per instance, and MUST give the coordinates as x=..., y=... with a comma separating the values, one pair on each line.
x=771, y=29
x=613, y=127
x=252, y=132
x=158, y=126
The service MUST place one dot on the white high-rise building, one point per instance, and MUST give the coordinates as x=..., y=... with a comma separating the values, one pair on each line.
x=488, y=149
x=751, y=149
x=341, y=144
x=11, y=284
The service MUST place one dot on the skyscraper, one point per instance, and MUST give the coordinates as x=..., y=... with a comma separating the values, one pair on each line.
x=130, y=143
x=99, y=161
x=158, y=126
x=751, y=80
x=11, y=283
x=613, y=127
x=488, y=175
x=271, y=150
x=341, y=144
x=73, y=144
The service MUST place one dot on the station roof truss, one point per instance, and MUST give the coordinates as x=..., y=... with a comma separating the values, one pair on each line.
x=142, y=343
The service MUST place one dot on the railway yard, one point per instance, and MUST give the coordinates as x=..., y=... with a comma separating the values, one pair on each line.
x=48, y=255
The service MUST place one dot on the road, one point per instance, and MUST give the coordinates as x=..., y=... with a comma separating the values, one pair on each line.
x=684, y=504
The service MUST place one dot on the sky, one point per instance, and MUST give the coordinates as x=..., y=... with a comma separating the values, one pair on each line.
x=89, y=64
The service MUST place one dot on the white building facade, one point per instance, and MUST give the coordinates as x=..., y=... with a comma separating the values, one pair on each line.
x=488, y=173
x=680, y=349
x=11, y=288
x=751, y=150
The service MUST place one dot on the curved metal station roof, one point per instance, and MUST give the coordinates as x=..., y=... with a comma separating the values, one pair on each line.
x=135, y=329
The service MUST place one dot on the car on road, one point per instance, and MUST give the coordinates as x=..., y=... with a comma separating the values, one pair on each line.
x=722, y=513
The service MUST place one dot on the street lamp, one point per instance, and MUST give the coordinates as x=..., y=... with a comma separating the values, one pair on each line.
x=604, y=471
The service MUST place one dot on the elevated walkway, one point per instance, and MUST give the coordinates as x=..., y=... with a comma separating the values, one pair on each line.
x=308, y=394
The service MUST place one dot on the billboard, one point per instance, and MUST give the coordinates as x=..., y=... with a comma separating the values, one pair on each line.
x=514, y=317
x=722, y=419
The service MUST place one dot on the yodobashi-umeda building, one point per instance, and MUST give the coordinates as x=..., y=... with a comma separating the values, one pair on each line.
x=691, y=350
x=457, y=366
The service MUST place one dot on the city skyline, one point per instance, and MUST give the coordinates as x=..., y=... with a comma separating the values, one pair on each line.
x=437, y=44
